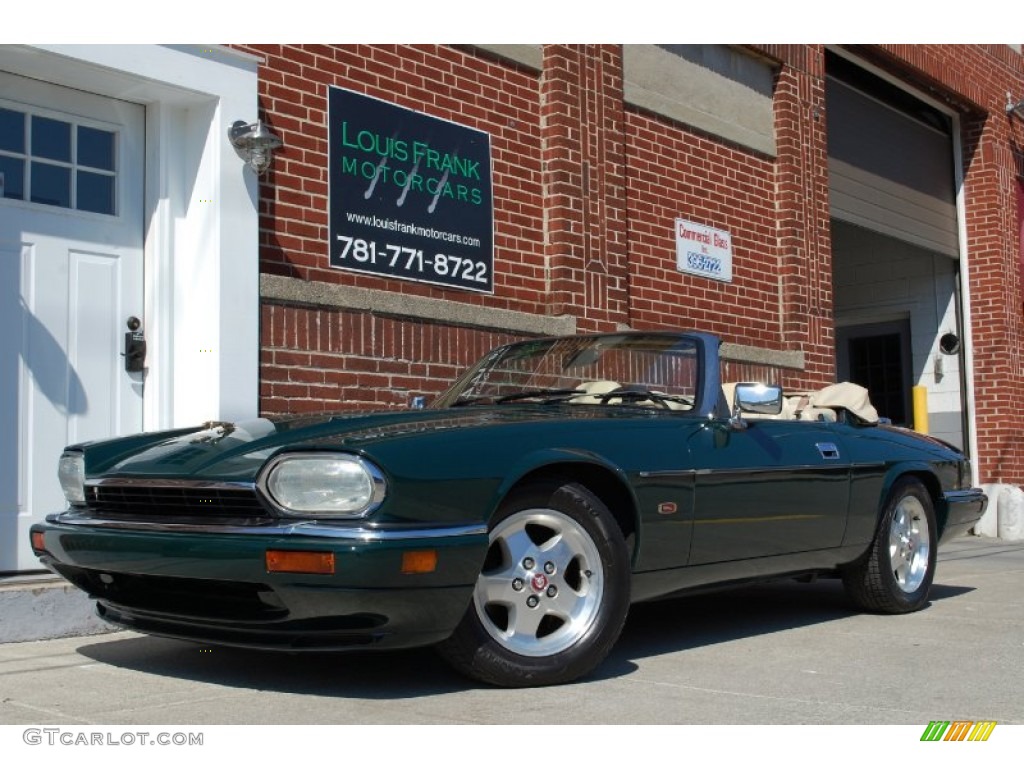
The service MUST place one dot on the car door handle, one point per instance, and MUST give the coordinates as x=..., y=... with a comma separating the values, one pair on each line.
x=827, y=450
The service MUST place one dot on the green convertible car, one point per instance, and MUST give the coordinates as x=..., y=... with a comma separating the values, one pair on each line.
x=512, y=523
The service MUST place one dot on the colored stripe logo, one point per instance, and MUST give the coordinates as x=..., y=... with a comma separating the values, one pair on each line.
x=958, y=730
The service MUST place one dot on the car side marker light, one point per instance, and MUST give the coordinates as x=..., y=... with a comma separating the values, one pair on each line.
x=419, y=561
x=38, y=541
x=292, y=561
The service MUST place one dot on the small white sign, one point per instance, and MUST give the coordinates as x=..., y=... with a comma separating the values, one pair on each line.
x=703, y=251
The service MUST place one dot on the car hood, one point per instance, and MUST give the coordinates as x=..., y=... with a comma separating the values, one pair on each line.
x=236, y=451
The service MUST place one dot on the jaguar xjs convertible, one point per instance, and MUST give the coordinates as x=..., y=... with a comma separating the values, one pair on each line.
x=512, y=523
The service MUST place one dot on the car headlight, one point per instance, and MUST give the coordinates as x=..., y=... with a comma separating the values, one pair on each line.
x=323, y=484
x=71, y=473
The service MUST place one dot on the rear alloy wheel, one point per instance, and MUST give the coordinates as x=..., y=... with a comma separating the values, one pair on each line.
x=896, y=574
x=552, y=594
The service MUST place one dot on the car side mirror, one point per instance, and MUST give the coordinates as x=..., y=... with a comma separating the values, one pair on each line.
x=750, y=397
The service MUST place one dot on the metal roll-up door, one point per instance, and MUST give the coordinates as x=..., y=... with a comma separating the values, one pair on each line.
x=889, y=171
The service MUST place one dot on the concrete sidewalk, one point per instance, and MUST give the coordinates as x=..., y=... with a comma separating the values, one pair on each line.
x=780, y=653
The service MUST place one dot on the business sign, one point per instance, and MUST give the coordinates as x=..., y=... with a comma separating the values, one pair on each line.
x=703, y=251
x=410, y=194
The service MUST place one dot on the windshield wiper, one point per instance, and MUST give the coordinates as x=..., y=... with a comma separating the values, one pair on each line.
x=528, y=393
x=471, y=401
x=639, y=394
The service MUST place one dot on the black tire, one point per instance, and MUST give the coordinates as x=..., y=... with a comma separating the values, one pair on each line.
x=553, y=591
x=895, y=574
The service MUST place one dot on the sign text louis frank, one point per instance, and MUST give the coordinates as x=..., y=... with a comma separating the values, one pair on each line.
x=704, y=251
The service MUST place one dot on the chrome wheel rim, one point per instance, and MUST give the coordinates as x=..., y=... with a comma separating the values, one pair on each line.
x=909, y=544
x=541, y=585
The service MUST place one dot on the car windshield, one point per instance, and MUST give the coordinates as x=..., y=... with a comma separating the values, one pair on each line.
x=653, y=370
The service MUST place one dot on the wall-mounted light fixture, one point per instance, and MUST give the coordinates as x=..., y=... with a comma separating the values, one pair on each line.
x=949, y=344
x=254, y=143
x=1015, y=109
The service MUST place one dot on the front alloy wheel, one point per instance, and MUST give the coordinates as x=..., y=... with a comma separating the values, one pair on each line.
x=909, y=544
x=552, y=594
x=895, y=575
x=541, y=586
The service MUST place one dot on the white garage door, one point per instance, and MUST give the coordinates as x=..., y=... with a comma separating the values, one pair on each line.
x=71, y=234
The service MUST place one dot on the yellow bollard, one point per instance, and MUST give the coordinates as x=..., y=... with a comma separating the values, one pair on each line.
x=920, y=409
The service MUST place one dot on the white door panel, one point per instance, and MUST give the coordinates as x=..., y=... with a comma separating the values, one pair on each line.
x=109, y=396
x=70, y=277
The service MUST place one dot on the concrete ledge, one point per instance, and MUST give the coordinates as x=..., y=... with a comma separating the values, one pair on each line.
x=1004, y=517
x=531, y=56
x=741, y=353
x=44, y=608
x=329, y=295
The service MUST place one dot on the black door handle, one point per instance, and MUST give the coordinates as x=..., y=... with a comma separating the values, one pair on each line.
x=134, y=351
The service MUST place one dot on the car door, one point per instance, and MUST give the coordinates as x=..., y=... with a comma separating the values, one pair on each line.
x=775, y=488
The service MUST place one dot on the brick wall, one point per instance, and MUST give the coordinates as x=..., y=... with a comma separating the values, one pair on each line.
x=318, y=359
x=585, y=186
x=586, y=190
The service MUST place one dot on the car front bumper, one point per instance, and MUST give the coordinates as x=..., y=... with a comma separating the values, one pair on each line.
x=963, y=509
x=213, y=585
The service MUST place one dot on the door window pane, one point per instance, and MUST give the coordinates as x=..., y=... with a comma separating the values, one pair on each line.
x=95, y=148
x=56, y=162
x=12, y=131
x=95, y=192
x=12, y=177
x=51, y=184
x=51, y=139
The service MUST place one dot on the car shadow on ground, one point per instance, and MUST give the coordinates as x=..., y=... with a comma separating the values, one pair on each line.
x=653, y=629
x=697, y=621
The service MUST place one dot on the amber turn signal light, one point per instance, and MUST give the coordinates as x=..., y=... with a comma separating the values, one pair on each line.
x=419, y=561
x=38, y=541
x=290, y=561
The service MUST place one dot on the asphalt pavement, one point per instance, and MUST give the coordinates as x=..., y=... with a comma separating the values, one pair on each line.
x=780, y=653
